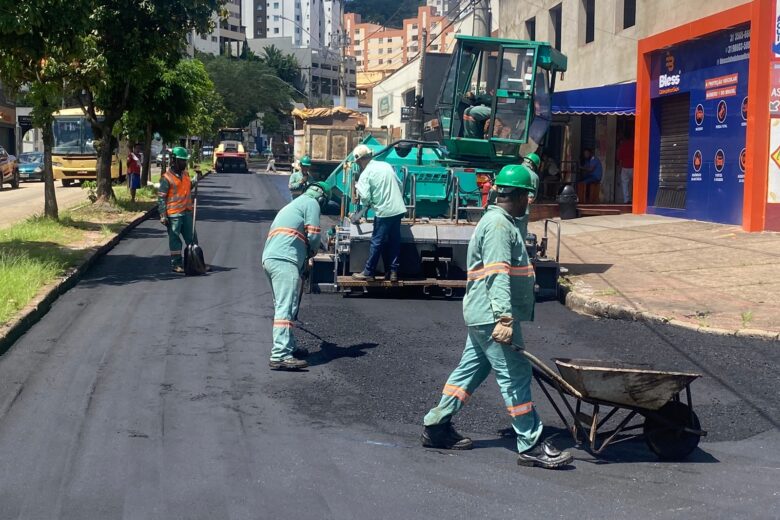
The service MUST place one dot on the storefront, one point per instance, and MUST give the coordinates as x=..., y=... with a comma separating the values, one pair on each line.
x=702, y=121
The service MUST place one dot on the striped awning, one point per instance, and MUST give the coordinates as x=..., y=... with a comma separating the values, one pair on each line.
x=618, y=100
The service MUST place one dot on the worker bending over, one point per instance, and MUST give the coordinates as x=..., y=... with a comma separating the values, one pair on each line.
x=477, y=118
x=174, y=200
x=293, y=239
x=378, y=187
x=499, y=295
x=299, y=179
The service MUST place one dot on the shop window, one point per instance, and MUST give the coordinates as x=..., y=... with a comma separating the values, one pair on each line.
x=556, y=14
x=530, y=28
x=588, y=15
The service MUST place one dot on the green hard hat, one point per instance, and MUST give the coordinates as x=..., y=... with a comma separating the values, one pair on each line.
x=532, y=157
x=305, y=160
x=180, y=153
x=314, y=190
x=515, y=176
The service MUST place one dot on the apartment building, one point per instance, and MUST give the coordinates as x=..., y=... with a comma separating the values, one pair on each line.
x=674, y=76
x=309, y=23
x=380, y=51
x=228, y=34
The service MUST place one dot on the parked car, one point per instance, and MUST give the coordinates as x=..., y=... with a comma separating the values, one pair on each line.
x=207, y=151
x=31, y=166
x=159, y=159
x=8, y=169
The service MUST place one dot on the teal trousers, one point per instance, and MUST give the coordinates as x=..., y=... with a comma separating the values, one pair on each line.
x=513, y=374
x=286, y=285
x=180, y=227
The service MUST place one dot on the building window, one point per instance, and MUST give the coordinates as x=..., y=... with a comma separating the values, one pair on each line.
x=297, y=18
x=276, y=5
x=358, y=53
x=589, y=12
x=276, y=30
x=530, y=28
x=414, y=38
x=629, y=13
x=555, y=25
x=389, y=40
x=214, y=39
x=356, y=42
x=414, y=26
x=381, y=61
x=381, y=40
x=276, y=18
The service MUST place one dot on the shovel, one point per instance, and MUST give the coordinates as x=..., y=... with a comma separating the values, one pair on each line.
x=194, y=264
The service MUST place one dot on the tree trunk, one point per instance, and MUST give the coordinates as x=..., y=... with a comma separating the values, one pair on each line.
x=105, y=193
x=145, y=177
x=49, y=196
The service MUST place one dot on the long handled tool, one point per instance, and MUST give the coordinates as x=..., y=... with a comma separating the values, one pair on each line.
x=194, y=263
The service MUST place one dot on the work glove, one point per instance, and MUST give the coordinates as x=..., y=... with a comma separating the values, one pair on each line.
x=164, y=221
x=502, y=333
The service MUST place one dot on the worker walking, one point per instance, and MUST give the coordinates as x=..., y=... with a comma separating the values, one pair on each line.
x=299, y=179
x=378, y=187
x=499, y=295
x=174, y=200
x=293, y=239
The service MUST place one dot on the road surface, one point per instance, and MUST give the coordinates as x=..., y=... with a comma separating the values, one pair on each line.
x=145, y=395
x=16, y=205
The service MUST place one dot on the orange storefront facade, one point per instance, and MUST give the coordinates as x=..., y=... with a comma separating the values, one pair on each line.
x=707, y=142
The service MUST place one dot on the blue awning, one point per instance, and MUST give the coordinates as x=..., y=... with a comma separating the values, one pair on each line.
x=617, y=100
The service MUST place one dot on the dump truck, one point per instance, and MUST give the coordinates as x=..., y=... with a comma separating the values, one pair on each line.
x=327, y=135
x=442, y=176
x=230, y=153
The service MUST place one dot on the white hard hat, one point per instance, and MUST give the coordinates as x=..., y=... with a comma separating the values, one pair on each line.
x=361, y=151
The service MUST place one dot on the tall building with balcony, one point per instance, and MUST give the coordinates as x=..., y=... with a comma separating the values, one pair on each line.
x=309, y=23
x=379, y=51
x=227, y=37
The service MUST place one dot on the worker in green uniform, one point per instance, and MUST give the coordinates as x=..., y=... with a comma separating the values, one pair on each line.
x=499, y=295
x=174, y=200
x=475, y=118
x=293, y=239
x=299, y=179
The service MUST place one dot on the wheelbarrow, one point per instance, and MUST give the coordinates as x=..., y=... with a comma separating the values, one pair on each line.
x=603, y=390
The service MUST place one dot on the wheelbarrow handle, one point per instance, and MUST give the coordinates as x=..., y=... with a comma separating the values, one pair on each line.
x=549, y=372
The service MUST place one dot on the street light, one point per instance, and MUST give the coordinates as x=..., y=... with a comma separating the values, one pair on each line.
x=277, y=78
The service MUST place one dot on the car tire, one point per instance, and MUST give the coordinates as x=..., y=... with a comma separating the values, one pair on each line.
x=66, y=183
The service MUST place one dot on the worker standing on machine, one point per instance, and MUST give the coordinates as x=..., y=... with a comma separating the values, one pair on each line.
x=299, y=179
x=174, y=201
x=293, y=239
x=499, y=295
x=379, y=188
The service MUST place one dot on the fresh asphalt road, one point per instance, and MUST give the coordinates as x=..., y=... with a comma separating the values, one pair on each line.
x=27, y=200
x=145, y=395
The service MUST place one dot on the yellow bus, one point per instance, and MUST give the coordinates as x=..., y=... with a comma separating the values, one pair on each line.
x=73, y=156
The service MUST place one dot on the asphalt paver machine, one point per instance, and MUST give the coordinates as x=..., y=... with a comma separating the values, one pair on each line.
x=442, y=175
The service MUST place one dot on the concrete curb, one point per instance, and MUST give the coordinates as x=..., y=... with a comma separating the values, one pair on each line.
x=40, y=305
x=594, y=307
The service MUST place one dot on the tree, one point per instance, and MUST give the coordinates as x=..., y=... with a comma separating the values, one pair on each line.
x=175, y=102
x=124, y=38
x=285, y=65
x=248, y=87
x=38, y=39
x=382, y=12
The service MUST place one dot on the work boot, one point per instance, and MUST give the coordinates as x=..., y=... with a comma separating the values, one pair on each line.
x=300, y=352
x=288, y=364
x=363, y=276
x=392, y=276
x=544, y=455
x=444, y=436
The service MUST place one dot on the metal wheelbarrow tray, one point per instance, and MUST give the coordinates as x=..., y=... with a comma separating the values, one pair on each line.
x=603, y=390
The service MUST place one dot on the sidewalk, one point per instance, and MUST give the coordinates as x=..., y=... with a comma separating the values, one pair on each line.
x=711, y=277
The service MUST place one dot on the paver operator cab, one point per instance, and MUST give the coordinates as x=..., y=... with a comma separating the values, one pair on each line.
x=493, y=109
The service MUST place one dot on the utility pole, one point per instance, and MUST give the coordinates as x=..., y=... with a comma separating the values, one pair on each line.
x=482, y=18
x=418, y=122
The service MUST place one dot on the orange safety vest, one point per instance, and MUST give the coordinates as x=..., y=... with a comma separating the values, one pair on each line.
x=178, y=199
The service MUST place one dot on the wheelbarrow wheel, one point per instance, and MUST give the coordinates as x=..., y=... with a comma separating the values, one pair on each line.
x=668, y=442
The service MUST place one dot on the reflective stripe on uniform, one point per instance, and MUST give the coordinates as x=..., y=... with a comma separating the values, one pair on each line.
x=457, y=392
x=313, y=229
x=286, y=324
x=467, y=117
x=500, y=268
x=288, y=231
x=520, y=409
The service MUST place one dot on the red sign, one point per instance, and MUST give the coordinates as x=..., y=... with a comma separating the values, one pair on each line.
x=722, y=81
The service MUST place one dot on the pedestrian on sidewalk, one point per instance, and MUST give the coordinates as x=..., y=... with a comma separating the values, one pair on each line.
x=378, y=187
x=299, y=178
x=625, y=158
x=134, y=170
x=294, y=238
x=174, y=200
x=499, y=295
x=271, y=166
